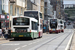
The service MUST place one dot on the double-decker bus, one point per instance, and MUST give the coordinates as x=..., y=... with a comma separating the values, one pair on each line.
x=30, y=25
x=54, y=25
x=38, y=16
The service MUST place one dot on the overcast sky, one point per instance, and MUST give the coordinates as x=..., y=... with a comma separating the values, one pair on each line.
x=69, y=1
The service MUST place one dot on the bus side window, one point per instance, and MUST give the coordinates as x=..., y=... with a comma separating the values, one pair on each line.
x=40, y=15
x=34, y=26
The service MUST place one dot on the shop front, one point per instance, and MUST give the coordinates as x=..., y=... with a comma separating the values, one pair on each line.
x=4, y=22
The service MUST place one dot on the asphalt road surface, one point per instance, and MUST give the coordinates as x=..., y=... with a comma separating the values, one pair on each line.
x=47, y=42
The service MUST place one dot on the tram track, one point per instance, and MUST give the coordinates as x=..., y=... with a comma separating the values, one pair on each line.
x=37, y=41
x=62, y=41
x=54, y=39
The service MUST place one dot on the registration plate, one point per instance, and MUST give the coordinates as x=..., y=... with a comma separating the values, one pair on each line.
x=20, y=35
x=53, y=29
x=53, y=32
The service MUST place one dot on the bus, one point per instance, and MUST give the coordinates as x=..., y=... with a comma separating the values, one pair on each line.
x=24, y=27
x=54, y=25
x=38, y=16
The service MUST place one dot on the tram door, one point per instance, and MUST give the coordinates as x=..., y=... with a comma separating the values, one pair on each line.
x=0, y=25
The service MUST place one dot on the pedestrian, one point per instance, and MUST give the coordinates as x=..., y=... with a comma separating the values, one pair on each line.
x=0, y=33
x=47, y=30
x=3, y=32
x=6, y=34
x=44, y=29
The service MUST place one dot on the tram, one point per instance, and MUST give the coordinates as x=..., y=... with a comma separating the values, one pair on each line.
x=54, y=25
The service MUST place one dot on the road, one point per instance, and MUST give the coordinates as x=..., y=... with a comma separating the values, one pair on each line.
x=47, y=42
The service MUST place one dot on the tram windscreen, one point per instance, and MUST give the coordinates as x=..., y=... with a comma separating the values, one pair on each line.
x=20, y=21
x=33, y=14
x=53, y=23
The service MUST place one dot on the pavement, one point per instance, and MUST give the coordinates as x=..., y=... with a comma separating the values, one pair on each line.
x=2, y=39
x=73, y=42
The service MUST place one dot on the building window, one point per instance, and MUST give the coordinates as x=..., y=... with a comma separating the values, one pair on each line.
x=23, y=0
x=3, y=1
x=45, y=11
x=17, y=10
x=11, y=9
x=3, y=7
x=21, y=10
x=45, y=4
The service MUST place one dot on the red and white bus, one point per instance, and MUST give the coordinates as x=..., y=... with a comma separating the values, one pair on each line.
x=54, y=25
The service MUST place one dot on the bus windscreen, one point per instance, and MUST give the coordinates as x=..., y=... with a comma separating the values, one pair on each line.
x=33, y=14
x=20, y=21
x=53, y=23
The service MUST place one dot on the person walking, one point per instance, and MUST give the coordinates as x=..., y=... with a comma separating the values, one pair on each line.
x=44, y=29
x=3, y=32
x=6, y=34
x=0, y=33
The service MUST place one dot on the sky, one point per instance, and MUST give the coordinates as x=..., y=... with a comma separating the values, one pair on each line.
x=69, y=1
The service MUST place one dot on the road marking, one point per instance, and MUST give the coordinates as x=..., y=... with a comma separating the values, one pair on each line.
x=10, y=44
x=17, y=48
x=30, y=44
x=34, y=42
x=24, y=46
x=67, y=47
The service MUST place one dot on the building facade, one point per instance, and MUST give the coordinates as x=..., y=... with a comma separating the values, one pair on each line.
x=42, y=7
x=31, y=5
x=16, y=7
x=48, y=10
x=58, y=7
x=0, y=6
x=4, y=15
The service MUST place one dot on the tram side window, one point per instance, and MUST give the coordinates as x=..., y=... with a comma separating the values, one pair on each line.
x=34, y=26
